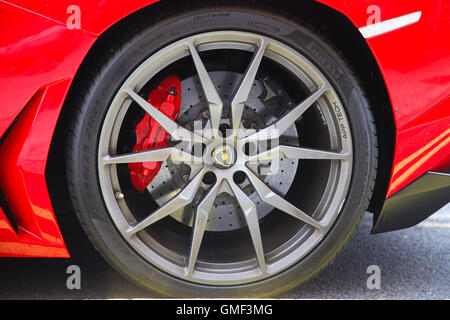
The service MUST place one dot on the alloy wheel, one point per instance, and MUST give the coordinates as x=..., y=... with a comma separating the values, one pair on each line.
x=231, y=161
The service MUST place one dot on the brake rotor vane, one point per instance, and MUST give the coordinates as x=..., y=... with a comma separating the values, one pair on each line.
x=150, y=135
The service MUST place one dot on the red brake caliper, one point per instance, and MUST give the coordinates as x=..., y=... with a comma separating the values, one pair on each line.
x=149, y=134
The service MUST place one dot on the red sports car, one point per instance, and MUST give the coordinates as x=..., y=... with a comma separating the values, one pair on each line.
x=220, y=148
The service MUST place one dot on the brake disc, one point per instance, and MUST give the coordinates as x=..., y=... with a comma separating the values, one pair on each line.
x=193, y=115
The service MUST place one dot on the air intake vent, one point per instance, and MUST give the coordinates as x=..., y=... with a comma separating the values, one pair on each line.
x=7, y=211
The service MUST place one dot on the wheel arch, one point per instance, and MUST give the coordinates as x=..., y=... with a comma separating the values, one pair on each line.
x=331, y=23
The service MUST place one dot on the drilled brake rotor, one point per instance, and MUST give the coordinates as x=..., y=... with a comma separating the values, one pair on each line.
x=227, y=214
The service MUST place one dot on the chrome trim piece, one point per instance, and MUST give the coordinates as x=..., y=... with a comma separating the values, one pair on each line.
x=379, y=28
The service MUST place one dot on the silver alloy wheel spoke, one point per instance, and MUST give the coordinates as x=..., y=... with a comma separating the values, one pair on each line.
x=273, y=199
x=275, y=130
x=161, y=154
x=177, y=132
x=242, y=93
x=251, y=216
x=214, y=101
x=182, y=199
x=290, y=152
x=201, y=218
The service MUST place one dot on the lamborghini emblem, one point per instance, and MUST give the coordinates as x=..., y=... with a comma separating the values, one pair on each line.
x=223, y=157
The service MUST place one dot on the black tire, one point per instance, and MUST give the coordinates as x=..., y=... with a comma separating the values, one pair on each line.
x=101, y=87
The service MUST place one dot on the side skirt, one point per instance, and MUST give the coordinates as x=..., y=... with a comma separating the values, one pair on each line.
x=414, y=203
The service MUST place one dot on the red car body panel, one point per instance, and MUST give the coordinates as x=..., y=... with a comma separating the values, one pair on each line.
x=24, y=158
x=415, y=64
x=34, y=51
x=40, y=56
x=96, y=16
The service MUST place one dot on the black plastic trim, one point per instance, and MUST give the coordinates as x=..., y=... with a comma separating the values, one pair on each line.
x=7, y=211
x=414, y=203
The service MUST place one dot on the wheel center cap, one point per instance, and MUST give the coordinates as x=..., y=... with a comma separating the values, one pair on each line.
x=224, y=156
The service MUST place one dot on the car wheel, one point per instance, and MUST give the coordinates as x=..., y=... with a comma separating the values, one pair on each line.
x=221, y=152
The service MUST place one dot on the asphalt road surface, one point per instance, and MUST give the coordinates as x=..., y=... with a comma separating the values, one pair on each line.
x=414, y=264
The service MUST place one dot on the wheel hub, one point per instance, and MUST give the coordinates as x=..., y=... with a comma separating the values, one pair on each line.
x=224, y=157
